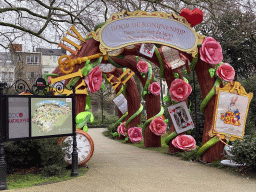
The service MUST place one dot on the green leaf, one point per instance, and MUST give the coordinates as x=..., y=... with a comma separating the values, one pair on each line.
x=185, y=79
x=86, y=68
x=99, y=26
x=212, y=72
x=82, y=116
x=120, y=56
x=115, y=134
x=114, y=63
x=176, y=75
x=85, y=129
x=166, y=120
x=96, y=62
x=218, y=65
x=166, y=98
x=88, y=103
x=145, y=92
x=185, y=71
x=173, y=102
x=106, y=79
x=47, y=75
x=103, y=87
x=126, y=139
x=72, y=82
x=83, y=123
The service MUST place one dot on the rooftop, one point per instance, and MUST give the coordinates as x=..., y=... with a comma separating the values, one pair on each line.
x=55, y=52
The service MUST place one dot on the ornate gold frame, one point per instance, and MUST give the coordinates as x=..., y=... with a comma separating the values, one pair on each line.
x=234, y=88
x=125, y=15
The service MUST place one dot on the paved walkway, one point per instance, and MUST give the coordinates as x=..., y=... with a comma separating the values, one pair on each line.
x=119, y=167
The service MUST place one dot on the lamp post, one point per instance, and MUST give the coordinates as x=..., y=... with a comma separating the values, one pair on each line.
x=3, y=185
x=74, y=172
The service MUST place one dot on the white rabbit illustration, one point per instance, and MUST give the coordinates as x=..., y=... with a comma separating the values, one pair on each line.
x=232, y=107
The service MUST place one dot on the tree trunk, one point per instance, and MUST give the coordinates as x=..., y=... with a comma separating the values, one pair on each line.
x=206, y=83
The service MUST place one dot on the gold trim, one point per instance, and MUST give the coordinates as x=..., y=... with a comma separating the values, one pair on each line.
x=234, y=88
x=125, y=14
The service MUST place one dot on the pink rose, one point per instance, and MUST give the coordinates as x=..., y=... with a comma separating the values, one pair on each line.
x=211, y=51
x=135, y=134
x=154, y=88
x=142, y=66
x=184, y=142
x=179, y=90
x=226, y=72
x=121, y=129
x=94, y=79
x=158, y=126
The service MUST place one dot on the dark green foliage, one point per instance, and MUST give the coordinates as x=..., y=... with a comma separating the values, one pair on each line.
x=44, y=153
x=249, y=85
x=244, y=151
x=112, y=128
x=52, y=170
x=194, y=102
x=21, y=154
x=107, y=120
x=190, y=155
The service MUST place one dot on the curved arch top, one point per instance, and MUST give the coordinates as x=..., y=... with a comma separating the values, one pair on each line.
x=157, y=28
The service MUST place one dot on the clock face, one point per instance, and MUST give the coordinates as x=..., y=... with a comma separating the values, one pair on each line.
x=85, y=147
x=106, y=68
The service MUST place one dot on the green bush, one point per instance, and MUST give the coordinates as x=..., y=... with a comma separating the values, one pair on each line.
x=244, y=151
x=21, y=154
x=112, y=128
x=107, y=120
x=43, y=153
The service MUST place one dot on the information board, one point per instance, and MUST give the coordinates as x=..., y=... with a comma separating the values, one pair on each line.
x=31, y=116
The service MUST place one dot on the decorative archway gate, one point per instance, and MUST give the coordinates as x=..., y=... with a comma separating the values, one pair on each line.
x=119, y=40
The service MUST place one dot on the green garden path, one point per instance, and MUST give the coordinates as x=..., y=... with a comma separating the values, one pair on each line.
x=121, y=167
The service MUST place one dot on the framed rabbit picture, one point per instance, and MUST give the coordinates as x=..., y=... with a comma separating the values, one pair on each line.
x=232, y=104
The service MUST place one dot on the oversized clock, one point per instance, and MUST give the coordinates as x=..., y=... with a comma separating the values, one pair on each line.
x=85, y=147
x=106, y=68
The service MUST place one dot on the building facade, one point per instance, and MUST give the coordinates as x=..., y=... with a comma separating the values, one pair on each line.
x=7, y=69
x=49, y=59
x=28, y=66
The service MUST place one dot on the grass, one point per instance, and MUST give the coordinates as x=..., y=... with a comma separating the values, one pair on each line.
x=24, y=179
x=242, y=171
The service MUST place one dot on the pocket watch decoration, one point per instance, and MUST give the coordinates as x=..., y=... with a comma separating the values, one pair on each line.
x=85, y=147
x=106, y=68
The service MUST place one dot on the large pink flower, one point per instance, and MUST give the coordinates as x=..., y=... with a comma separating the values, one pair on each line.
x=94, y=79
x=226, y=72
x=179, y=90
x=142, y=66
x=211, y=51
x=184, y=142
x=154, y=88
x=121, y=129
x=158, y=126
x=135, y=134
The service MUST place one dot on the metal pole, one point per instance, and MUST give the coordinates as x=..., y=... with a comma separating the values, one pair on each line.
x=74, y=172
x=194, y=82
x=3, y=164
